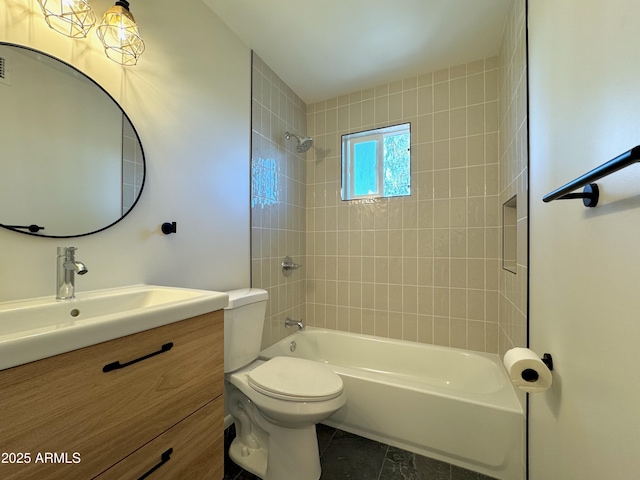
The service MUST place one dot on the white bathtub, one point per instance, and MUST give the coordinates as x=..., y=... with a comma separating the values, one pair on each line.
x=453, y=405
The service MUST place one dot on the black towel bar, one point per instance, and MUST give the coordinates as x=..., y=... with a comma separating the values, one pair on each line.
x=590, y=195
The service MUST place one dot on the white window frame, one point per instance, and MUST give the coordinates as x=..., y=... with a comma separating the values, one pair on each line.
x=348, y=143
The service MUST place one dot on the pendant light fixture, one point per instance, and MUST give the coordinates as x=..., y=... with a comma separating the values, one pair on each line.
x=119, y=35
x=72, y=18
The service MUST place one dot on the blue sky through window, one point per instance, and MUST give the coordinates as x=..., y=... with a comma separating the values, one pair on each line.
x=365, y=157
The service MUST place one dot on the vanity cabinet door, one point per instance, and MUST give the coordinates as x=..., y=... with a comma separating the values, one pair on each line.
x=192, y=449
x=66, y=405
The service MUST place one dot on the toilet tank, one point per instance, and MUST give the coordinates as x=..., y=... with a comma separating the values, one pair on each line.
x=243, y=323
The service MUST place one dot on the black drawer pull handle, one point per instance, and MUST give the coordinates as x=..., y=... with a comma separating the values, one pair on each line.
x=164, y=458
x=117, y=365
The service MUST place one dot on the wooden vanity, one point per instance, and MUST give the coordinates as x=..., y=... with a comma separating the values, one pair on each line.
x=147, y=405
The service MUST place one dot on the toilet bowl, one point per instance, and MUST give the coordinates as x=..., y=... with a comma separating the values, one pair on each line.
x=276, y=404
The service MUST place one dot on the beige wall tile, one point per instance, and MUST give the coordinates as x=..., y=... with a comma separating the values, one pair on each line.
x=476, y=150
x=458, y=93
x=441, y=154
x=368, y=112
x=458, y=273
x=425, y=99
x=424, y=128
x=395, y=325
x=425, y=241
x=476, y=181
x=441, y=96
x=458, y=182
x=355, y=115
x=441, y=331
x=381, y=323
x=458, y=71
x=381, y=109
x=395, y=107
x=458, y=122
x=476, y=273
x=476, y=88
x=368, y=322
x=458, y=212
x=458, y=333
x=425, y=329
x=425, y=300
x=476, y=306
x=458, y=242
x=475, y=67
x=458, y=152
x=441, y=243
x=441, y=126
x=476, y=335
x=441, y=301
x=475, y=119
x=441, y=75
x=410, y=103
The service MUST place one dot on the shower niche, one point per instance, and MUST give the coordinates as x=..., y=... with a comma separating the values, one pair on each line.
x=510, y=234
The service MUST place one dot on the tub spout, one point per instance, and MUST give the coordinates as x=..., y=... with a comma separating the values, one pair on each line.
x=291, y=323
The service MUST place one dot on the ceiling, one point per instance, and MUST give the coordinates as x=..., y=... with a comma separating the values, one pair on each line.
x=325, y=48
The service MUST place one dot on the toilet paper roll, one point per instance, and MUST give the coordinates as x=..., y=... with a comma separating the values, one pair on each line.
x=526, y=370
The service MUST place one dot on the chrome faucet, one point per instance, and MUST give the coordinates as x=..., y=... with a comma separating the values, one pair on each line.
x=290, y=323
x=66, y=269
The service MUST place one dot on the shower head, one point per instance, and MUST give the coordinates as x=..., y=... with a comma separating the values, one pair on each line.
x=304, y=144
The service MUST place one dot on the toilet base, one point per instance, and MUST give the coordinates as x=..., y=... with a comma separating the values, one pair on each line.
x=270, y=451
x=290, y=453
x=251, y=460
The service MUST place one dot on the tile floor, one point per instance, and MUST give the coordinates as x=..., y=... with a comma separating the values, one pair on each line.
x=344, y=456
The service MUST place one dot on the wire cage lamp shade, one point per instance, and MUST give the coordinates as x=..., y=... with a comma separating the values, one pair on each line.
x=72, y=18
x=119, y=35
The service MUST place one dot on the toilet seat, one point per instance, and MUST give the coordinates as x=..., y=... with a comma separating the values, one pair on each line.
x=295, y=379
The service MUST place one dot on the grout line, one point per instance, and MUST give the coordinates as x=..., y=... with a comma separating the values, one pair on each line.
x=383, y=461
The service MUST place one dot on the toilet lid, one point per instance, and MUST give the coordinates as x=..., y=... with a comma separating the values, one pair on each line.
x=297, y=379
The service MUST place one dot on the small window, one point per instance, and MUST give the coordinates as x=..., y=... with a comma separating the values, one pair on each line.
x=377, y=163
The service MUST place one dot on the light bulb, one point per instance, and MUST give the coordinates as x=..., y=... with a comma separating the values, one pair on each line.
x=119, y=34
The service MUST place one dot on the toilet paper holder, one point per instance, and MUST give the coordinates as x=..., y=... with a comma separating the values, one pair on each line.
x=547, y=359
x=530, y=375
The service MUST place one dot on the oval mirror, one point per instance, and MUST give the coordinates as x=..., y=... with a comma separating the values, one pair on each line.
x=73, y=163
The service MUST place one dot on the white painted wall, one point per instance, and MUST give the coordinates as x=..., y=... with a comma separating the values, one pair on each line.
x=189, y=98
x=584, y=104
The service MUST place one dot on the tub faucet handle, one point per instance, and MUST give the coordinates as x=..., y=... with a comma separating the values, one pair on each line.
x=290, y=323
x=288, y=265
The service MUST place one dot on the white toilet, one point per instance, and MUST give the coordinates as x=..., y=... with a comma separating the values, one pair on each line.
x=275, y=403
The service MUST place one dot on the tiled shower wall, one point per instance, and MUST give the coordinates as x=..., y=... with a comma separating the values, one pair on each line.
x=278, y=196
x=514, y=174
x=425, y=267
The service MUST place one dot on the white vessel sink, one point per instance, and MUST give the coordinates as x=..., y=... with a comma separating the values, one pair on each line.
x=42, y=327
